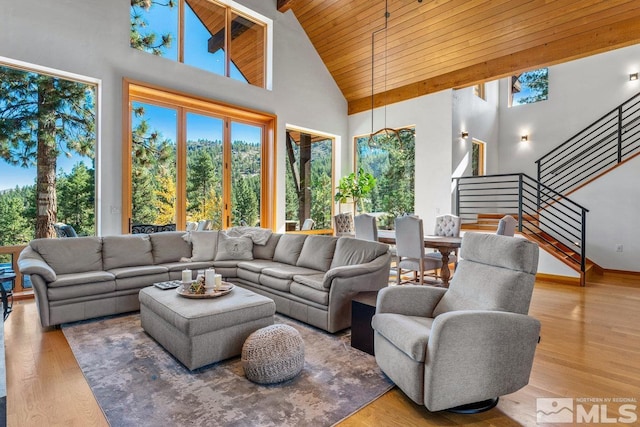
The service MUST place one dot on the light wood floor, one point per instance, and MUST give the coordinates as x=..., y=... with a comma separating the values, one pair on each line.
x=590, y=347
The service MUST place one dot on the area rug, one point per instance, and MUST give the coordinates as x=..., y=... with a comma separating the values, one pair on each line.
x=137, y=383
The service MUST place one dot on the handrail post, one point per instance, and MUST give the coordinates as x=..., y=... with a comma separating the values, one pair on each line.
x=520, y=179
x=620, y=134
x=457, y=184
x=583, y=243
x=538, y=187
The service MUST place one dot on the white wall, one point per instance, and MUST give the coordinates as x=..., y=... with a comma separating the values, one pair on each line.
x=479, y=117
x=614, y=207
x=580, y=92
x=91, y=38
x=432, y=117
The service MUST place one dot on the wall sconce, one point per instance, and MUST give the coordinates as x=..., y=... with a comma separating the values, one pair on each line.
x=524, y=138
x=464, y=134
x=633, y=76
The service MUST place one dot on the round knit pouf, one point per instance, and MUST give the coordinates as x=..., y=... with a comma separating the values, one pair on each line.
x=273, y=354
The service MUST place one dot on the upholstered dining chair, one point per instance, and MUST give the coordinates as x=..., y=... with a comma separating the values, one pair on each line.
x=366, y=227
x=343, y=224
x=507, y=226
x=471, y=343
x=446, y=226
x=410, y=249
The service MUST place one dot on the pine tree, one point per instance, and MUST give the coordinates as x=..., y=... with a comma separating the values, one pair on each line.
x=42, y=117
x=142, y=39
x=76, y=205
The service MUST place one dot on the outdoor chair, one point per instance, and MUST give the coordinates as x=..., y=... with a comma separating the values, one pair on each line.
x=64, y=230
x=308, y=224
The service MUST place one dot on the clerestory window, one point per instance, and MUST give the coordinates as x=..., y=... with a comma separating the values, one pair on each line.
x=529, y=87
x=221, y=37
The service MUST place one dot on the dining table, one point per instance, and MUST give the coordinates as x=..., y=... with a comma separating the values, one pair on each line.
x=444, y=245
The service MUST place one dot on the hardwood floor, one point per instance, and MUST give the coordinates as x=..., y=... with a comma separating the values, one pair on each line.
x=590, y=348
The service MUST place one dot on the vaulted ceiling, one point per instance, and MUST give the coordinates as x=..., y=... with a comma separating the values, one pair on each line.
x=431, y=45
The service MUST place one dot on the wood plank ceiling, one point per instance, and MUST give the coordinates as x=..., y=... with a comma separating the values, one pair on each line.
x=438, y=44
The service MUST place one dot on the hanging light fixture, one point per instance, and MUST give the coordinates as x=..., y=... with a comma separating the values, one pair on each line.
x=389, y=132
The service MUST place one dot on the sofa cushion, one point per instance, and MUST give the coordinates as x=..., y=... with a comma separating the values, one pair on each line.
x=89, y=290
x=257, y=265
x=203, y=244
x=179, y=266
x=73, y=255
x=168, y=246
x=126, y=251
x=288, y=271
x=72, y=279
x=267, y=250
x=355, y=251
x=289, y=248
x=234, y=248
x=142, y=270
x=317, y=252
x=311, y=294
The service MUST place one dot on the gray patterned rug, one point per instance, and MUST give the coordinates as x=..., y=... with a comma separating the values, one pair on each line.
x=137, y=383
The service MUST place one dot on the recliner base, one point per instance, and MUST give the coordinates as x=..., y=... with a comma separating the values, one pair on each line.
x=476, y=407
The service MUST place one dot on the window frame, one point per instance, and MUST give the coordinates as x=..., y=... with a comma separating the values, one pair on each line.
x=97, y=153
x=184, y=103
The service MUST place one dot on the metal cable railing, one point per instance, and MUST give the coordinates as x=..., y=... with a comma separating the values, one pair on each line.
x=540, y=210
x=613, y=138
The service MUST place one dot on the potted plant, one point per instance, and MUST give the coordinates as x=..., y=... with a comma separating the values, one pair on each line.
x=354, y=188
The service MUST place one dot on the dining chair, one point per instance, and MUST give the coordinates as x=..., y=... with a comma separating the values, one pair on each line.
x=308, y=224
x=446, y=226
x=507, y=226
x=366, y=227
x=410, y=249
x=343, y=224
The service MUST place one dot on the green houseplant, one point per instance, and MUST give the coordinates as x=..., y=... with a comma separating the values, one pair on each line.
x=355, y=187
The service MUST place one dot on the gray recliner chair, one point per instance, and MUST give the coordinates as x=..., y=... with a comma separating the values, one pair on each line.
x=471, y=343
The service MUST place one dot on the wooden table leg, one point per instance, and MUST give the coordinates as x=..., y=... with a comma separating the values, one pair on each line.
x=445, y=273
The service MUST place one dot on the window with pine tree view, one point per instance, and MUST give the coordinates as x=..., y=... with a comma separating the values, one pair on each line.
x=201, y=40
x=213, y=171
x=390, y=158
x=309, y=180
x=529, y=87
x=47, y=146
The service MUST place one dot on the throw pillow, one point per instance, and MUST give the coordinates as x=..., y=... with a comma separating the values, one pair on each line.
x=234, y=248
x=203, y=244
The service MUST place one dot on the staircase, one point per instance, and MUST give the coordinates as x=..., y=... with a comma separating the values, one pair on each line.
x=544, y=212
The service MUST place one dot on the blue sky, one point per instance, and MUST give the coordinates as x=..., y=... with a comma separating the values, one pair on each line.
x=161, y=20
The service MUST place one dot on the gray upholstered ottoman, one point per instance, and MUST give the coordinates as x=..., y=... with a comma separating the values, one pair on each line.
x=273, y=354
x=203, y=331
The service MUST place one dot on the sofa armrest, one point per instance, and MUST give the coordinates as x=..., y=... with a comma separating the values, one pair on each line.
x=347, y=271
x=476, y=355
x=409, y=300
x=30, y=262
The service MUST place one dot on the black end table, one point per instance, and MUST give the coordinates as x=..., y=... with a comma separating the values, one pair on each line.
x=363, y=307
x=7, y=294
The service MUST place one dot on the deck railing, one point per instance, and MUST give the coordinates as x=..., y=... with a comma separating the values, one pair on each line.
x=19, y=284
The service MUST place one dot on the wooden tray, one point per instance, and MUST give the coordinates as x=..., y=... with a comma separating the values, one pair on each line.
x=210, y=293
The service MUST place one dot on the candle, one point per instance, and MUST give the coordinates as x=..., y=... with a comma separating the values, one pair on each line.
x=186, y=276
x=210, y=278
x=218, y=281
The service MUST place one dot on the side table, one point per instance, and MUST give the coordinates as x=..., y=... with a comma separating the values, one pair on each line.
x=363, y=307
x=7, y=294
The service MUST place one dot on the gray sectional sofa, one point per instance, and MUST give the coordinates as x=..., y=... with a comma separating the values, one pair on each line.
x=310, y=278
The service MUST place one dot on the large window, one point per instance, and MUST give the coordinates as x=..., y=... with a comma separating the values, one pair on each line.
x=192, y=160
x=205, y=34
x=529, y=87
x=309, y=180
x=390, y=158
x=47, y=147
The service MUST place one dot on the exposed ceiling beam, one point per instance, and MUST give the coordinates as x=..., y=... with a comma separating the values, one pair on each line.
x=606, y=38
